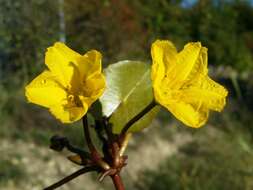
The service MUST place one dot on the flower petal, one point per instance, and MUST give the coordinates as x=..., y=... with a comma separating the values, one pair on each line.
x=45, y=90
x=190, y=115
x=186, y=61
x=207, y=92
x=93, y=88
x=94, y=85
x=89, y=64
x=200, y=67
x=61, y=61
x=68, y=114
x=163, y=53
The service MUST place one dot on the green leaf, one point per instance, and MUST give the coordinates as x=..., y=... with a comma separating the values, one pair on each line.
x=128, y=92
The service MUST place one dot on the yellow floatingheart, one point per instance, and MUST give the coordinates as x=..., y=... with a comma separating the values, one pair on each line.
x=70, y=85
x=181, y=83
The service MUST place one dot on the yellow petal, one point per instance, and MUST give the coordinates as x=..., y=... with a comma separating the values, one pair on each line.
x=95, y=58
x=190, y=115
x=68, y=114
x=90, y=64
x=163, y=55
x=94, y=85
x=45, y=90
x=93, y=88
x=186, y=61
x=200, y=67
x=207, y=92
x=61, y=61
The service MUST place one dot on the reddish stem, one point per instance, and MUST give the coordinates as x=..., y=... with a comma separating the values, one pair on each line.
x=71, y=176
x=93, y=151
x=87, y=136
x=117, y=181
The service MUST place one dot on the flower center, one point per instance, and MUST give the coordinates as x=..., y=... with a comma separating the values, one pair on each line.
x=74, y=101
x=71, y=98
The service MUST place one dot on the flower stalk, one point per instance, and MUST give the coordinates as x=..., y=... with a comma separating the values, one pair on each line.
x=124, y=144
x=117, y=181
x=147, y=109
x=71, y=177
x=106, y=165
x=96, y=157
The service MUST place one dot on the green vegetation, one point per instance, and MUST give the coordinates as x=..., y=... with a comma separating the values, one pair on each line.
x=10, y=172
x=221, y=161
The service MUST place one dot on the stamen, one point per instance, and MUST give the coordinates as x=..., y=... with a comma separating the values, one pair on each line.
x=71, y=98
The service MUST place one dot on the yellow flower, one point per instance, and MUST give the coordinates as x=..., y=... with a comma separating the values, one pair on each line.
x=70, y=85
x=181, y=82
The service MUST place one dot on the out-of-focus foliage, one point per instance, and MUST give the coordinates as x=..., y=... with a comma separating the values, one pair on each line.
x=25, y=32
x=26, y=29
x=225, y=27
x=111, y=26
x=123, y=29
x=10, y=170
x=206, y=164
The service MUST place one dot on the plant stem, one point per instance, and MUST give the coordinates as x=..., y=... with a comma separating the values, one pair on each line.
x=117, y=181
x=94, y=153
x=137, y=117
x=78, y=151
x=124, y=144
x=71, y=176
x=87, y=135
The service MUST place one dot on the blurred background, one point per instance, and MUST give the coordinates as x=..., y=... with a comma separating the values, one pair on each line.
x=167, y=155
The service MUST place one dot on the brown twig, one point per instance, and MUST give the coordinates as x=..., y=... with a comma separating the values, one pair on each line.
x=117, y=181
x=107, y=167
x=71, y=176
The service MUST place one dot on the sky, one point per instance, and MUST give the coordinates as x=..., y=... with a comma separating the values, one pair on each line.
x=189, y=3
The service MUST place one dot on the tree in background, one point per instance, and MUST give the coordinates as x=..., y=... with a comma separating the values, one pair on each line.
x=114, y=27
